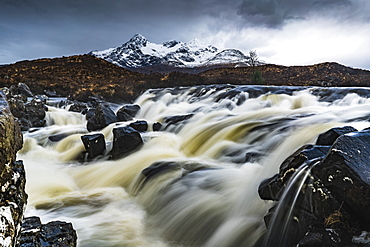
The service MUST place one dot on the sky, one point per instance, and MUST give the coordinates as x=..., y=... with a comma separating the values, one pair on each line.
x=284, y=32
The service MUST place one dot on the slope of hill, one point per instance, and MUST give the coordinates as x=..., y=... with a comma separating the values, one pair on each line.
x=84, y=75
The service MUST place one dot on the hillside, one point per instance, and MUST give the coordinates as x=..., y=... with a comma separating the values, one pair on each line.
x=80, y=76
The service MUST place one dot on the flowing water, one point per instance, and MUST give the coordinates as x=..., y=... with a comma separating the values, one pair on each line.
x=205, y=169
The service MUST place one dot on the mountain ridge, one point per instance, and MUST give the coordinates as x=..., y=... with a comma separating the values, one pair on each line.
x=138, y=54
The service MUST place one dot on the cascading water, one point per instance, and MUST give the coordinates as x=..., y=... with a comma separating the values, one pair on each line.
x=194, y=183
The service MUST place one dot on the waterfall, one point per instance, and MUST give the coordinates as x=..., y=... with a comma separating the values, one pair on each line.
x=194, y=183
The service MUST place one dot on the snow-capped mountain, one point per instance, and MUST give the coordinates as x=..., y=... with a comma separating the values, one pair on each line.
x=138, y=52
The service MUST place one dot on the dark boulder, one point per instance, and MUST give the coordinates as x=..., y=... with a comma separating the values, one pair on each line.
x=329, y=137
x=94, y=145
x=125, y=141
x=101, y=117
x=139, y=125
x=35, y=111
x=21, y=88
x=328, y=208
x=55, y=233
x=345, y=171
x=127, y=112
x=271, y=188
x=78, y=107
x=157, y=126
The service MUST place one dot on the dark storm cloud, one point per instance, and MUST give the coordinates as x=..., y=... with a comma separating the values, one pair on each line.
x=275, y=13
x=46, y=28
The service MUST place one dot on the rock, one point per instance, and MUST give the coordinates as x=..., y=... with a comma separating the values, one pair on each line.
x=139, y=125
x=57, y=137
x=94, y=145
x=101, y=117
x=157, y=126
x=21, y=88
x=125, y=141
x=329, y=137
x=127, y=112
x=345, y=171
x=160, y=167
x=35, y=112
x=13, y=197
x=43, y=98
x=50, y=93
x=55, y=233
x=177, y=119
x=58, y=233
x=78, y=107
x=272, y=188
x=11, y=139
x=331, y=207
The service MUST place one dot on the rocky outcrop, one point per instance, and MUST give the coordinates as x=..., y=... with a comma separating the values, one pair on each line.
x=13, y=197
x=330, y=207
x=55, y=233
x=28, y=113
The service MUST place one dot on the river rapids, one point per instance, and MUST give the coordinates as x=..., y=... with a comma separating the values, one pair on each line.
x=229, y=140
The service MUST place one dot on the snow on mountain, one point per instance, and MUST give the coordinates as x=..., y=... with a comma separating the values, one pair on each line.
x=139, y=52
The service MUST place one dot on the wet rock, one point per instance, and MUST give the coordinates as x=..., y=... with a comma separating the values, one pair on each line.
x=157, y=126
x=94, y=145
x=78, y=107
x=345, y=171
x=101, y=117
x=57, y=137
x=170, y=120
x=127, y=112
x=329, y=137
x=160, y=167
x=139, y=125
x=55, y=233
x=125, y=141
x=331, y=207
x=272, y=188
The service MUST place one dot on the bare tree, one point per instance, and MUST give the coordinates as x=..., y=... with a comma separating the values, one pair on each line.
x=253, y=59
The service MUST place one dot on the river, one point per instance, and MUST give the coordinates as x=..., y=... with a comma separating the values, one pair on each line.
x=212, y=163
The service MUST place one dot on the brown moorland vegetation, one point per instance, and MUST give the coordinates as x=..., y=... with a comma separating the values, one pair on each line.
x=83, y=75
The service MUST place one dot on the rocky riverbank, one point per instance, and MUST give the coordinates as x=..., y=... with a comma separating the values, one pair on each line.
x=330, y=207
x=13, y=198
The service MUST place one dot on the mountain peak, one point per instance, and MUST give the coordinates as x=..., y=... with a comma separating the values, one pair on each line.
x=138, y=39
x=138, y=52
